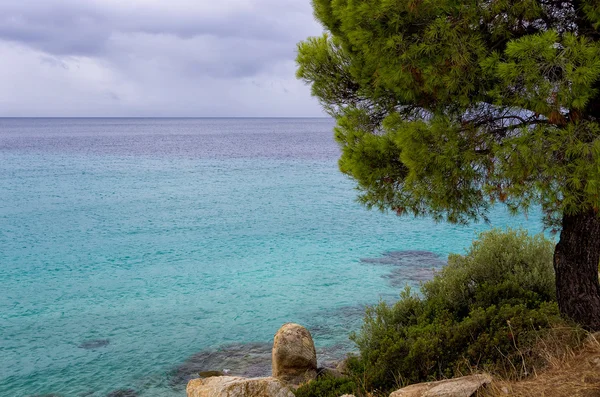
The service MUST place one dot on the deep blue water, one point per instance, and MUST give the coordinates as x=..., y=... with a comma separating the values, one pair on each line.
x=128, y=246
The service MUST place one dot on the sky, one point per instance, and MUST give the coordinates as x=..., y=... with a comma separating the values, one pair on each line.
x=154, y=58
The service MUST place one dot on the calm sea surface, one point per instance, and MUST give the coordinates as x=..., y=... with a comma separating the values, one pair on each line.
x=134, y=252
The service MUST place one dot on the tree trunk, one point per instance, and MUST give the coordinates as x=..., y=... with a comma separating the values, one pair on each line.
x=576, y=260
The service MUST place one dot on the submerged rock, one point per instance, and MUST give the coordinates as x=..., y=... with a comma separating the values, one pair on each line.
x=94, y=344
x=123, y=393
x=248, y=360
x=466, y=386
x=294, y=356
x=413, y=266
x=230, y=386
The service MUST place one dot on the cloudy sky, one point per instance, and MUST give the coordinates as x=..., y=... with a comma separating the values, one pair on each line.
x=153, y=58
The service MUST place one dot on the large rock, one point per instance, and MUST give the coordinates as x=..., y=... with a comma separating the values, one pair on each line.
x=466, y=386
x=294, y=356
x=342, y=366
x=232, y=386
x=329, y=373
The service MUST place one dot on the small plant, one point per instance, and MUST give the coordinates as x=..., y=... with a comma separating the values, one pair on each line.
x=327, y=387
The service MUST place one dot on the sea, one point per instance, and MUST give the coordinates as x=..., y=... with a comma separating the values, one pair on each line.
x=135, y=253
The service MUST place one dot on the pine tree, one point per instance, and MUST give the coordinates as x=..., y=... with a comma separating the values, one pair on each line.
x=446, y=107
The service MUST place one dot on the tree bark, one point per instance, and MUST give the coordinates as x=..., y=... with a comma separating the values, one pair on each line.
x=576, y=258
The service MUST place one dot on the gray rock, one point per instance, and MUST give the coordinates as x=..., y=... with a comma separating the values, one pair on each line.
x=466, y=386
x=230, y=386
x=294, y=359
x=342, y=366
x=329, y=373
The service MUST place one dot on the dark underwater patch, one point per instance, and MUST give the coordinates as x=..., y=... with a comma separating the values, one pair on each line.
x=94, y=344
x=123, y=393
x=409, y=266
x=248, y=360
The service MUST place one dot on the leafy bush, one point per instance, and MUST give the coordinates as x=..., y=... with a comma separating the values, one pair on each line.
x=485, y=309
x=327, y=387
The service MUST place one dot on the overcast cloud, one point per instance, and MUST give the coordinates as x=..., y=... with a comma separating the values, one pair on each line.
x=153, y=58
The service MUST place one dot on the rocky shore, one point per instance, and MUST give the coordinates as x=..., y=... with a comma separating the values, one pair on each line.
x=294, y=363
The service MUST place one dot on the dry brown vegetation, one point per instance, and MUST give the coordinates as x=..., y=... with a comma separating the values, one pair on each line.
x=572, y=372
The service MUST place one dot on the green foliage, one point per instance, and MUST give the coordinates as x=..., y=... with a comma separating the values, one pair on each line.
x=499, y=266
x=327, y=387
x=446, y=106
x=443, y=108
x=485, y=309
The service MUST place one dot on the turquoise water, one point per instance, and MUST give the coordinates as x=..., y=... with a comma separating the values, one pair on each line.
x=129, y=245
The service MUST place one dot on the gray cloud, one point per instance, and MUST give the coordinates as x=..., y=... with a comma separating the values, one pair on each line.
x=150, y=56
x=83, y=28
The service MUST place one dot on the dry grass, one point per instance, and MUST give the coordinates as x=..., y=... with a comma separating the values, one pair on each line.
x=568, y=372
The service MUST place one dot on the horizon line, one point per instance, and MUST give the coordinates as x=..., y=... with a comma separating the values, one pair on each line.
x=166, y=117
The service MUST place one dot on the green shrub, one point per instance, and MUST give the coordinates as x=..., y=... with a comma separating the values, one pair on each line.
x=485, y=309
x=327, y=387
x=499, y=267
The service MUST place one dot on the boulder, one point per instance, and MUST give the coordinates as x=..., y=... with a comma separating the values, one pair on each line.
x=294, y=358
x=342, y=366
x=466, y=386
x=328, y=373
x=233, y=386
